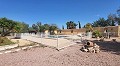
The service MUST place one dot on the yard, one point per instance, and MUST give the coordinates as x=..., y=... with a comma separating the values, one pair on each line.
x=70, y=56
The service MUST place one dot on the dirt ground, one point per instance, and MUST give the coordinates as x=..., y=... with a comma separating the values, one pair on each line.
x=22, y=42
x=70, y=56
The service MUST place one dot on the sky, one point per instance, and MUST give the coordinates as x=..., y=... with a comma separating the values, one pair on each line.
x=57, y=11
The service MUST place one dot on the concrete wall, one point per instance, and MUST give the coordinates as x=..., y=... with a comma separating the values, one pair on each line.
x=69, y=31
x=112, y=29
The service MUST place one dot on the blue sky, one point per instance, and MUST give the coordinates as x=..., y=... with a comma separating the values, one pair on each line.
x=57, y=11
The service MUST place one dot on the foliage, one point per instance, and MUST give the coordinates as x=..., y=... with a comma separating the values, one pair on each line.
x=31, y=29
x=79, y=25
x=52, y=28
x=18, y=27
x=34, y=26
x=118, y=18
x=9, y=26
x=62, y=27
x=88, y=27
x=71, y=25
x=101, y=22
x=24, y=27
x=118, y=21
x=96, y=33
x=118, y=12
x=112, y=20
x=5, y=41
x=41, y=28
x=46, y=26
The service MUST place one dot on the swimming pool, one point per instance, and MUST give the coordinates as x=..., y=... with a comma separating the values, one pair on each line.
x=55, y=36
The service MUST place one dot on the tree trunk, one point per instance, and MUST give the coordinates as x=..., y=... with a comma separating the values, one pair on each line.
x=2, y=34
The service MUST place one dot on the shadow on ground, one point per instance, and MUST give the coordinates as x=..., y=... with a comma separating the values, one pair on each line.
x=109, y=46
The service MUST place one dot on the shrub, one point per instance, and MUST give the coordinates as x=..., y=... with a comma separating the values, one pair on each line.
x=96, y=33
x=5, y=41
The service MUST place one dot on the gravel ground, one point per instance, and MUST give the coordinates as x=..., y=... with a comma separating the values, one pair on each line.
x=70, y=56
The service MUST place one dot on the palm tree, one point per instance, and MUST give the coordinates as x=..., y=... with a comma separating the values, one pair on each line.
x=46, y=26
x=68, y=25
x=52, y=28
x=71, y=25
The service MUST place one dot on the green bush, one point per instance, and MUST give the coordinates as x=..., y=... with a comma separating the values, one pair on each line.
x=5, y=41
x=96, y=33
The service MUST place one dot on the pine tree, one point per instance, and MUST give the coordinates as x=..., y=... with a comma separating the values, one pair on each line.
x=113, y=23
x=62, y=27
x=79, y=25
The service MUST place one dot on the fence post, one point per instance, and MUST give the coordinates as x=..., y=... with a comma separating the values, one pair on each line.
x=41, y=37
x=57, y=42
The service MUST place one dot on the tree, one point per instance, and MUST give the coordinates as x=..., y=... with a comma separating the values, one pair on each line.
x=25, y=27
x=96, y=33
x=68, y=25
x=34, y=26
x=38, y=23
x=111, y=19
x=46, y=26
x=71, y=25
x=7, y=26
x=62, y=27
x=79, y=24
x=118, y=18
x=101, y=22
x=88, y=27
x=52, y=28
x=84, y=26
x=118, y=12
x=41, y=28
x=18, y=27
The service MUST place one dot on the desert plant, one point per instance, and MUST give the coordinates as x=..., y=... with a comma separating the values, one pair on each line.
x=96, y=33
x=5, y=41
x=88, y=27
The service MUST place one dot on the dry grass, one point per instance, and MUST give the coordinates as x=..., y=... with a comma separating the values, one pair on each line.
x=5, y=41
